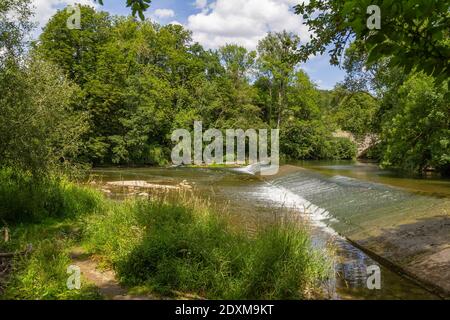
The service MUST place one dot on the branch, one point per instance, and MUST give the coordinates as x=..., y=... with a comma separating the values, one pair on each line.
x=137, y=6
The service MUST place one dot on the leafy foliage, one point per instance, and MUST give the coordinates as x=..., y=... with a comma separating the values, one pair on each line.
x=140, y=81
x=413, y=34
x=417, y=130
x=355, y=112
x=40, y=128
x=15, y=24
x=137, y=6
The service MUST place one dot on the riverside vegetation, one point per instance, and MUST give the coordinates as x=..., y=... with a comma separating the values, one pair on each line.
x=112, y=93
x=163, y=245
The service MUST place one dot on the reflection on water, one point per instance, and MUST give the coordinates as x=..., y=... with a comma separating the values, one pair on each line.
x=330, y=200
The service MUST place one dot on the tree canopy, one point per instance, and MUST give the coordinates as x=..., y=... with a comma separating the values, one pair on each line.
x=138, y=7
x=413, y=34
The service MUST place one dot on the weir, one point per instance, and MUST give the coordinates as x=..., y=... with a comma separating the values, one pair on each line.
x=409, y=231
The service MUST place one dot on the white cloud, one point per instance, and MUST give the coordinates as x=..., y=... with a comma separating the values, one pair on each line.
x=164, y=13
x=244, y=22
x=45, y=9
x=201, y=4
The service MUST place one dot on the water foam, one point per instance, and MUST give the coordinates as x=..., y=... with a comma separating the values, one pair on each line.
x=287, y=199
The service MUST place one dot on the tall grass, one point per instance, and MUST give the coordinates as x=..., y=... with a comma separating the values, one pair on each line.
x=182, y=246
x=27, y=199
x=46, y=213
x=42, y=274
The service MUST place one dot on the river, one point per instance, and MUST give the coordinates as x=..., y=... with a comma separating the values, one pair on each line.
x=337, y=198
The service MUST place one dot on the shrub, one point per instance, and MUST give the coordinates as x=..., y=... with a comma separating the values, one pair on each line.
x=157, y=156
x=343, y=149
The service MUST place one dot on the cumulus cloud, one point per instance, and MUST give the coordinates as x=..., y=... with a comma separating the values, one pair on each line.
x=45, y=9
x=201, y=4
x=164, y=13
x=243, y=22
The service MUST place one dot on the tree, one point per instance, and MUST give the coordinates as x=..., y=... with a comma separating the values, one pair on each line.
x=15, y=24
x=139, y=81
x=305, y=133
x=416, y=131
x=236, y=107
x=75, y=51
x=413, y=34
x=277, y=62
x=237, y=61
x=355, y=112
x=39, y=128
x=302, y=98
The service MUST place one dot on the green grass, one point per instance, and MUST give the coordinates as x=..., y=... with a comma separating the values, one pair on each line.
x=25, y=199
x=182, y=246
x=48, y=214
x=170, y=244
x=42, y=275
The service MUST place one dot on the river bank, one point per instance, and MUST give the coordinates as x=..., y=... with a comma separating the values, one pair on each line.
x=402, y=232
x=164, y=245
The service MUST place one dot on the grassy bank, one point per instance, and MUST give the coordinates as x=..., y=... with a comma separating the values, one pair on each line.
x=48, y=214
x=164, y=245
x=181, y=245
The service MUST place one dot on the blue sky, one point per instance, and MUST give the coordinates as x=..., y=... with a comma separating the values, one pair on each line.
x=217, y=22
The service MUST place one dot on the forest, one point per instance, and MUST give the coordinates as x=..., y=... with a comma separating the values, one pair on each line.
x=112, y=93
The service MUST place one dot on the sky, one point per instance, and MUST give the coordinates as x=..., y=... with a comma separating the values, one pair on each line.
x=217, y=22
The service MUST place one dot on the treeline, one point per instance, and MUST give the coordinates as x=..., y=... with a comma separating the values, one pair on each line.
x=114, y=91
x=410, y=116
x=139, y=81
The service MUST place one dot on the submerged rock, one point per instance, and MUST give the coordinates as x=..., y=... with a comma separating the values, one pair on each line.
x=138, y=184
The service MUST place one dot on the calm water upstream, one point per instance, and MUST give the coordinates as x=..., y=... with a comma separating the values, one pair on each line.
x=336, y=197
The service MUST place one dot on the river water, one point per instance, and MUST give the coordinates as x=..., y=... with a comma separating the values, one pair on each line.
x=337, y=198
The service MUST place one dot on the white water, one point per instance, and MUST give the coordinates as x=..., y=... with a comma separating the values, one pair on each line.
x=284, y=198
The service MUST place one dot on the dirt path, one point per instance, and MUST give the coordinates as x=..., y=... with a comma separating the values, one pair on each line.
x=107, y=284
x=105, y=281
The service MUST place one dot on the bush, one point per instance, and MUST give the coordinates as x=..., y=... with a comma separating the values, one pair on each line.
x=157, y=156
x=343, y=149
x=182, y=246
x=304, y=140
x=375, y=152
